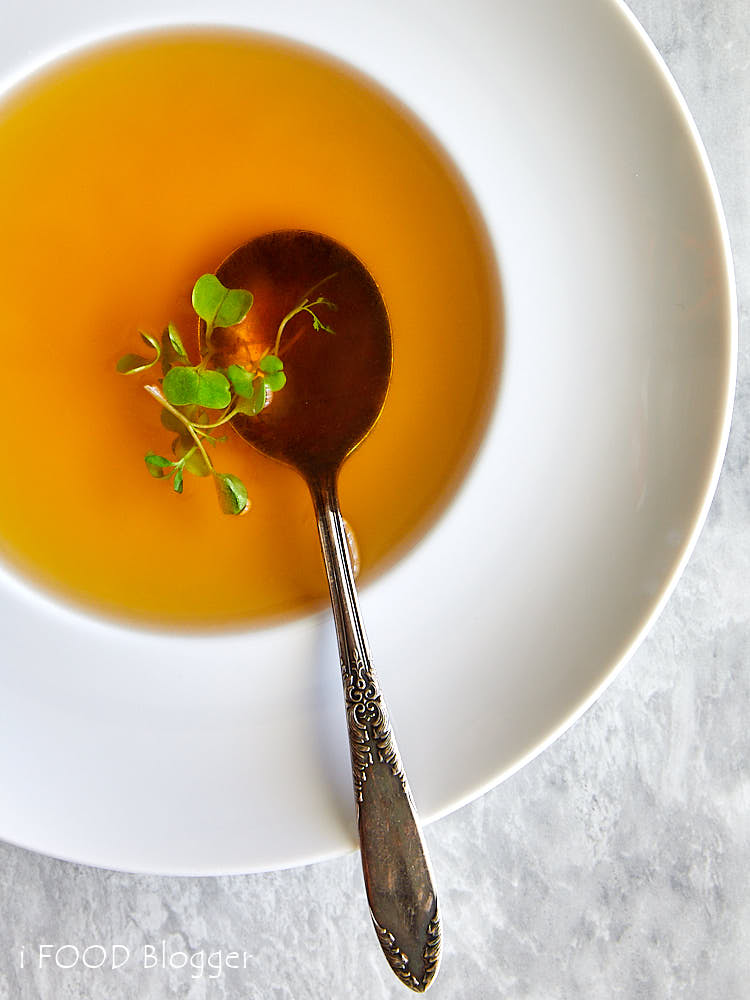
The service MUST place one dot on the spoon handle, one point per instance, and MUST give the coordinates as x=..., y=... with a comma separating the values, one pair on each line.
x=403, y=903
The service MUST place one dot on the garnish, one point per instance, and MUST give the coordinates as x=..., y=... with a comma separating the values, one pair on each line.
x=196, y=399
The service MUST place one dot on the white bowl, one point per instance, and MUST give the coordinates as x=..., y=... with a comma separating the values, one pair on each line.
x=184, y=754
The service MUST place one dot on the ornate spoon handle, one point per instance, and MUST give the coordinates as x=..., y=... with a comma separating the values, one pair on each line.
x=403, y=903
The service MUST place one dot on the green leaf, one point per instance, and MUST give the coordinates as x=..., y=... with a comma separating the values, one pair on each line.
x=275, y=381
x=182, y=445
x=175, y=341
x=213, y=390
x=177, y=482
x=253, y=406
x=219, y=305
x=172, y=423
x=260, y=396
x=241, y=379
x=191, y=458
x=246, y=406
x=196, y=465
x=130, y=363
x=153, y=343
x=172, y=350
x=158, y=465
x=231, y=493
x=318, y=324
x=234, y=308
x=208, y=294
x=271, y=364
x=181, y=386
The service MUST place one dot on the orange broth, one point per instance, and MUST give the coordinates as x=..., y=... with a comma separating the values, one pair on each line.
x=125, y=172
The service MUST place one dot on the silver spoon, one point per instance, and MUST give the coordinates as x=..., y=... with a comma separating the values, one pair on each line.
x=336, y=389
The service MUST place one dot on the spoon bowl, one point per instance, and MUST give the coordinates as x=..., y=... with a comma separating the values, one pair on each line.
x=336, y=382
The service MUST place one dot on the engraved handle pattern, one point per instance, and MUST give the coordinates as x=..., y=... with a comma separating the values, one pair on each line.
x=396, y=869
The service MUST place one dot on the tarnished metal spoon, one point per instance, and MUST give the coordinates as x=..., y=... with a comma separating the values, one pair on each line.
x=337, y=385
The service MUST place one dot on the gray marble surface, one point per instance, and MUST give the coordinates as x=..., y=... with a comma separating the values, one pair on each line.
x=614, y=865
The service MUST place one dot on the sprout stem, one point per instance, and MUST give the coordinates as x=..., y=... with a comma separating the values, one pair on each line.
x=155, y=391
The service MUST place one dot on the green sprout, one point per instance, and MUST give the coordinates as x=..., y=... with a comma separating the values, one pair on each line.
x=196, y=399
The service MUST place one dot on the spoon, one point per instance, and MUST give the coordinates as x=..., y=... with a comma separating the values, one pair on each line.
x=337, y=384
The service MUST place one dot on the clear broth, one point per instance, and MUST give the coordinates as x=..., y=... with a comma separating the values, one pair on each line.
x=126, y=172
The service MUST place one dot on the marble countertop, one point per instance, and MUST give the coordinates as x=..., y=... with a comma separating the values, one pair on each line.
x=614, y=865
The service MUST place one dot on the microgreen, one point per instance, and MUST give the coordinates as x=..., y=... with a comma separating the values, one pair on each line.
x=242, y=381
x=196, y=399
x=275, y=381
x=129, y=364
x=231, y=492
x=271, y=364
x=181, y=386
x=220, y=306
x=308, y=305
x=157, y=465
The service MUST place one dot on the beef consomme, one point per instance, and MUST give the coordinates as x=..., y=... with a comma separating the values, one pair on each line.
x=128, y=170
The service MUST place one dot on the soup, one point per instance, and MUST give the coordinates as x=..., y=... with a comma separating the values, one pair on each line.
x=125, y=173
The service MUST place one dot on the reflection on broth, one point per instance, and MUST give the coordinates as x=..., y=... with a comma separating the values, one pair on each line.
x=125, y=173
